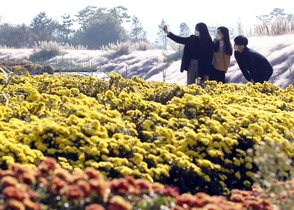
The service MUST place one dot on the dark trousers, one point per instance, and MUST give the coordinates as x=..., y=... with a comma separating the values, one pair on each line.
x=217, y=75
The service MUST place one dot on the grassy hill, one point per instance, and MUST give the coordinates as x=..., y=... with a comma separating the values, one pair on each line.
x=150, y=64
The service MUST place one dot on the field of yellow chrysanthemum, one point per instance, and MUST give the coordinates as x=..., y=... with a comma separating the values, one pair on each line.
x=196, y=138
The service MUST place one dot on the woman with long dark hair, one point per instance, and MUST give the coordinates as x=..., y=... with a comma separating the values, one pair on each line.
x=197, y=55
x=222, y=55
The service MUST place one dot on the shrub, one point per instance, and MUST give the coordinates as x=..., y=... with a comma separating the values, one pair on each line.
x=113, y=50
x=28, y=67
x=45, y=50
x=142, y=46
x=176, y=55
x=49, y=69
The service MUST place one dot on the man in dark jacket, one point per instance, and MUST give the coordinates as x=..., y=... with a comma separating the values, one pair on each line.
x=254, y=66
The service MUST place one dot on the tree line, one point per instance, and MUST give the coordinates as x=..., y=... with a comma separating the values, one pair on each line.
x=96, y=27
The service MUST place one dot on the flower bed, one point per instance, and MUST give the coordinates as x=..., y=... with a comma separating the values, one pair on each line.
x=49, y=186
x=27, y=66
x=193, y=138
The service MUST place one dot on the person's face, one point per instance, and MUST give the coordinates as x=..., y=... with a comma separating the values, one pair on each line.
x=219, y=34
x=196, y=33
x=239, y=48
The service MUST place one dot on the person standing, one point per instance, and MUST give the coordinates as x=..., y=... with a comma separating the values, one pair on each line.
x=222, y=55
x=254, y=66
x=197, y=55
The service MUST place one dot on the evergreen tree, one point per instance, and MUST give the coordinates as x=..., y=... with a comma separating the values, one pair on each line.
x=101, y=32
x=137, y=33
x=276, y=13
x=44, y=27
x=120, y=14
x=101, y=27
x=162, y=39
x=64, y=30
x=184, y=30
x=84, y=14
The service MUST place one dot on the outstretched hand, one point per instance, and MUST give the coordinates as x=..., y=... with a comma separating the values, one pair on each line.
x=165, y=29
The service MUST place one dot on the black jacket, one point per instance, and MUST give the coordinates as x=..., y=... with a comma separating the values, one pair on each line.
x=193, y=47
x=253, y=65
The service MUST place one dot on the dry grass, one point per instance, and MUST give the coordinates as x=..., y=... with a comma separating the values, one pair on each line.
x=5, y=47
x=114, y=50
x=45, y=50
x=74, y=47
x=262, y=29
x=278, y=27
x=142, y=46
x=176, y=54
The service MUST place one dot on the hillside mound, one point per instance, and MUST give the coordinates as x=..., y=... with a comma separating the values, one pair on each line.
x=150, y=64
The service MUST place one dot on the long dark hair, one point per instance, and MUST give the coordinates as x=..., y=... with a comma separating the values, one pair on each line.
x=205, y=37
x=227, y=42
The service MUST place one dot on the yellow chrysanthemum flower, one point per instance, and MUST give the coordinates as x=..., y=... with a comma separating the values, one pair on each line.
x=204, y=162
x=222, y=183
x=104, y=157
x=237, y=162
x=247, y=183
x=248, y=159
x=207, y=178
x=248, y=166
x=238, y=175
x=125, y=170
x=249, y=174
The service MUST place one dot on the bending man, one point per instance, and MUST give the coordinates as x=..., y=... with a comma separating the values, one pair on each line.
x=254, y=66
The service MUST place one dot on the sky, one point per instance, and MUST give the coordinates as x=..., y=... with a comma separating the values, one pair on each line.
x=152, y=12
